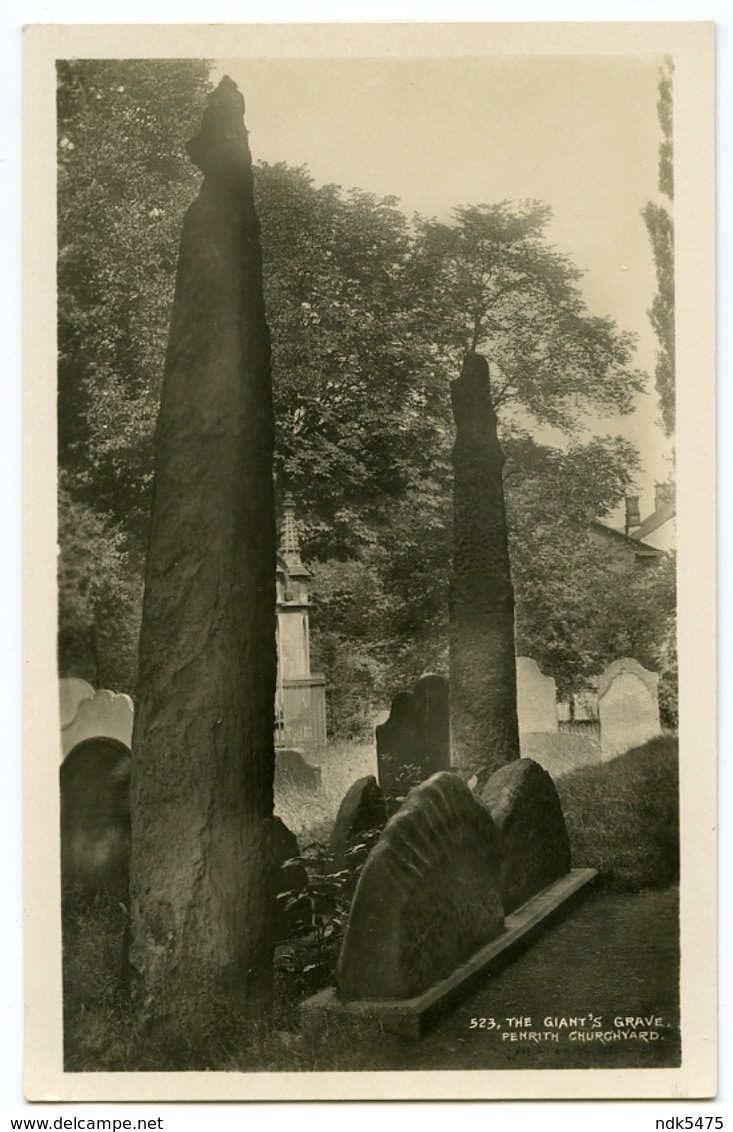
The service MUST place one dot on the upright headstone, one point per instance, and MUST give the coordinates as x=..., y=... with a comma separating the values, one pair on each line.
x=104, y=715
x=535, y=850
x=427, y=898
x=536, y=698
x=202, y=898
x=628, y=706
x=72, y=691
x=363, y=810
x=483, y=685
x=414, y=742
x=95, y=817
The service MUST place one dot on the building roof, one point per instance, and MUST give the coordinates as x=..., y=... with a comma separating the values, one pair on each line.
x=657, y=519
x=640, y=548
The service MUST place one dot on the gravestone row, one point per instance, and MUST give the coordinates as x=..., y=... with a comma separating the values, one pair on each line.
x=445, y=871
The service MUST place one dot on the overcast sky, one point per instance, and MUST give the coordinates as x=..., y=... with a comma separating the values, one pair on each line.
x=579, y=133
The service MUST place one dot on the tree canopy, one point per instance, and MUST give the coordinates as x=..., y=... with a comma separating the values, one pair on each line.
x=660, y=226
x=370, y=312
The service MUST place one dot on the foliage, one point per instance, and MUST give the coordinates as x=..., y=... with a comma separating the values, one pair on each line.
x=124, y=181
x=489, y=282
x=660, y=227
x=370, y=314
x=100, y=597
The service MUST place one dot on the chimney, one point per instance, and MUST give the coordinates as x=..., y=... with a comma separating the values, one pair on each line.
x=663, y=493
x=633, y=518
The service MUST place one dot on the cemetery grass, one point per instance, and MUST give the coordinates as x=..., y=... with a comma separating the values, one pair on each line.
x=622, y=819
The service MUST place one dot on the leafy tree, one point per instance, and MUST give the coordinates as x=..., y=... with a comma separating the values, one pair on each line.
x=359, y=399
x=490, y=282
x=100, y=595
x=370, y=315
x=124, y=182
x=660, y=226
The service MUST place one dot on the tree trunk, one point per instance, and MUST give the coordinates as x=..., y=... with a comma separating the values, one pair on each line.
x=483, y=682
x=202, y=899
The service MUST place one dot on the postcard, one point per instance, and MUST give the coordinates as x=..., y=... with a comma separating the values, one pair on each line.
x=370, y=697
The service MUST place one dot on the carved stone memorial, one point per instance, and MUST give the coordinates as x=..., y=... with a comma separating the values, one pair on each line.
x=428, y=896
x=95, y=817
x=535, y=850
x=415, y=741
x=628, y=706
x=483, y=684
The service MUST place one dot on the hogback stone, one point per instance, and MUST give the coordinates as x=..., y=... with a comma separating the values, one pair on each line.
x=428, y=896
x=523, y=802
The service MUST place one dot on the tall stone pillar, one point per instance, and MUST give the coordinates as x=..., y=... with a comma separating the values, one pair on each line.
x=483, y=687
x=202, y=900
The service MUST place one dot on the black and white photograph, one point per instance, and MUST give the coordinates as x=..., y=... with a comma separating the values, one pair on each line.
x=370, y=561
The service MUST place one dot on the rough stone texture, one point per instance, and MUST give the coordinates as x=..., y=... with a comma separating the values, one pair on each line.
x=72, y=691
x=202, y=898
x=294, y=772
x=428, y=896
x=414, y=742
x=106, y=715
x=483, y=687
x=628, y=706
x=362, y=809
x=535, y=850
x=95, y=817
x=536, y=698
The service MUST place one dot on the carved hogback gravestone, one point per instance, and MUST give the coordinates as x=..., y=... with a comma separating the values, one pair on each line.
x=535, y=850
x=414, y=742
x=628, y=706
x=427, y=898
x=362, y=810
x=95, y=816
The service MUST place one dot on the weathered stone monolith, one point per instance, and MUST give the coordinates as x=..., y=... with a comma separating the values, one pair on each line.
x=202, y=898
x=483, y=685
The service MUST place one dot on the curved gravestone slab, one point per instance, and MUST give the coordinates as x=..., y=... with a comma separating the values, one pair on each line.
x=536, y=698
x=363, y=808
x=107, y=715
x=414, y=742
x=535, y=850
x=95, y=816
x=628, y=706
x=427, y=898
x=293, y=772
x=72, y=690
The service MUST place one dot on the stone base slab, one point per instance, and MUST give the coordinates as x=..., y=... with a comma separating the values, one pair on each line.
x=409, y=1018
